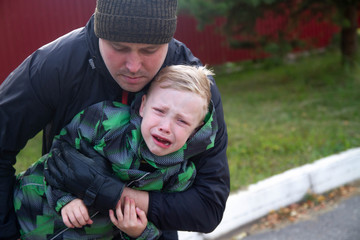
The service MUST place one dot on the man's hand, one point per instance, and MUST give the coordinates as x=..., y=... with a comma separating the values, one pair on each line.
x=75, y=214
x=141, y=198
x=131, y=219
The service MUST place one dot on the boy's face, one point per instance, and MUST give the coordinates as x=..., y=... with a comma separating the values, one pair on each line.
x=132, y=65
x=169, y=118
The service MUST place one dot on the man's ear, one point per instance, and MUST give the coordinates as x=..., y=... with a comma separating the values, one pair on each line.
x=143, y=101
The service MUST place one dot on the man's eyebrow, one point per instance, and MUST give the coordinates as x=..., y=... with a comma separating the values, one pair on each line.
x=118, y=44
x=151, y=47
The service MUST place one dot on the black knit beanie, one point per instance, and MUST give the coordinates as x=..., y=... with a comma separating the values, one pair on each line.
x=136, y=21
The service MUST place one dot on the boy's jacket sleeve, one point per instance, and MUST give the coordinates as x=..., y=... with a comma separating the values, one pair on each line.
x=83, y=176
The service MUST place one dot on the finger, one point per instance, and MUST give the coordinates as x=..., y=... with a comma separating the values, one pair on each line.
x=73, y=220
x=118, y=204
x=133, y=215
x=142, y=215
x=119, y=212
x=66, y=221
x=85, y=214
x=127, y=209
x=112, y=217
x=80, y=218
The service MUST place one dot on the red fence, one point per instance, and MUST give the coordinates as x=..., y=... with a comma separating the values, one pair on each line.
x=27, y=25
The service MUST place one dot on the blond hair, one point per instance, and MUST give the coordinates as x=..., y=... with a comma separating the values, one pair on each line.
x=186, y=78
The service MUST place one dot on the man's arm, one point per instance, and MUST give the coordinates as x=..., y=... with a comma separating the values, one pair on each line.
x=141, y=198
x=8, y=226
x=22, y=116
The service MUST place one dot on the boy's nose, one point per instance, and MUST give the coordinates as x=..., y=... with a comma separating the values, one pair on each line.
x=165, y=126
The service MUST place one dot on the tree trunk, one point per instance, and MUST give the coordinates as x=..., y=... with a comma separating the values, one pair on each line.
x=349, y=35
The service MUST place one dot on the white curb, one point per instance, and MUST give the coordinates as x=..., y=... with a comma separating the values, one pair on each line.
x=335, y=171
x=283, y=189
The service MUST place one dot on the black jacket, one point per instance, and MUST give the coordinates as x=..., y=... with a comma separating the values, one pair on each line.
x=63, y=77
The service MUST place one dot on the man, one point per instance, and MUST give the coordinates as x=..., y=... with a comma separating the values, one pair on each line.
x=115, y=55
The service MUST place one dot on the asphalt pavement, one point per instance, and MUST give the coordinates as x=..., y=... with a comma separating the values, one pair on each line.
x=342, y=222
x=249, y=205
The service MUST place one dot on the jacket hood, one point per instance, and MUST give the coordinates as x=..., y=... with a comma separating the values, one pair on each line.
x=204, y=138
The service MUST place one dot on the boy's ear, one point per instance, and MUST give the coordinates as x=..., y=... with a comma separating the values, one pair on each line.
x=143, y=100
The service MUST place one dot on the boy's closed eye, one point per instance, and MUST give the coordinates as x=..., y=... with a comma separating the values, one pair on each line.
x=158, y=110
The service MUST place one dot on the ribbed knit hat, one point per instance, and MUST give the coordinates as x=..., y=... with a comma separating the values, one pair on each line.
x=136, y=21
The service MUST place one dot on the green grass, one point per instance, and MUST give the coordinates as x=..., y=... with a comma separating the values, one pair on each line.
x=279, y=117
x=285, y=116
x=30, y=154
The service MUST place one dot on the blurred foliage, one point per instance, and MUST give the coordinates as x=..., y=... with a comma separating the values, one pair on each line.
x=242, y=17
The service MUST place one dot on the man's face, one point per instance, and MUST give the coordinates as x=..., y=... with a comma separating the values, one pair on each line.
x=169, y=118
x=132, y=65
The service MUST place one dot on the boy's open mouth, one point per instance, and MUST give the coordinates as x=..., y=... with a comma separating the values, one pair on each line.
x=162, y=140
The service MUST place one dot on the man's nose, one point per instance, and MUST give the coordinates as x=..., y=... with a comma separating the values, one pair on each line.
x=133, y=62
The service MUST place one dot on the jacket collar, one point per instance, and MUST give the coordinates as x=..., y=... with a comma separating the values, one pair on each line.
x=95, y=56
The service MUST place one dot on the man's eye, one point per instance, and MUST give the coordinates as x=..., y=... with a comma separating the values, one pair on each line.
x=149, y=51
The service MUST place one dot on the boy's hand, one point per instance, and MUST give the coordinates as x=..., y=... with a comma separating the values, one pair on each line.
x=132, y=220
x=75, y=214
